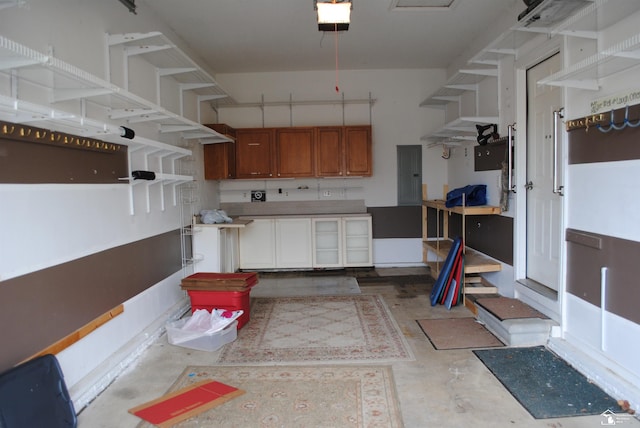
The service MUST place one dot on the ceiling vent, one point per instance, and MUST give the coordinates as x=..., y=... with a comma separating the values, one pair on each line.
x=412, y=5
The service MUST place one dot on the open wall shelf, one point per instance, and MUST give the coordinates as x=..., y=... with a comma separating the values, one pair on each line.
x=27, y=73
x=170, y=62
x=584, y=19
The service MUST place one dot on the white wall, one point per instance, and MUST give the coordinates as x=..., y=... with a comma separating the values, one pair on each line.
x=598, y=199
x=44, y=225
x=396, y=119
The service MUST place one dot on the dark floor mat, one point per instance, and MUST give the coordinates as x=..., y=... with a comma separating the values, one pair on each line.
x=544, y=383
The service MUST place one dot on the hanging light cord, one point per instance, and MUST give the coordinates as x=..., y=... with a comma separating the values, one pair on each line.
x=336, y=38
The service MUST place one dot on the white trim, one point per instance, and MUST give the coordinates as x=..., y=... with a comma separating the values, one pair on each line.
x=614, y=379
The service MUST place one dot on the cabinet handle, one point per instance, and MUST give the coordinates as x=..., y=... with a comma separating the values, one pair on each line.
x=253, y=144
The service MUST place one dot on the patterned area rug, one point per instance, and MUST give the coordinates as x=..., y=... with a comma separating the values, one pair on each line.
x=458, y=333
x=298, y=396
x=353, y=328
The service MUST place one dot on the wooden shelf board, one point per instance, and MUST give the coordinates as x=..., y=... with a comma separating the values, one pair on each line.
x=439, y=204
x=480, y=290
x=475, y=261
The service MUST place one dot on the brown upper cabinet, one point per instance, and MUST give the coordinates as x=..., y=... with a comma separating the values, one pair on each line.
x=357, y=151
x=254, y=152
x=295, y=154
x=220, y=158
x=292, y=152
x=329, y=152
x=343, y=151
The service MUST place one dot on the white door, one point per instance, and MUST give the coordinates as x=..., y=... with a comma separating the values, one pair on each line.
x=544, y=207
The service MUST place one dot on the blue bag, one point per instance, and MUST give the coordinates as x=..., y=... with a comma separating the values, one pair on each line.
x=475, y=194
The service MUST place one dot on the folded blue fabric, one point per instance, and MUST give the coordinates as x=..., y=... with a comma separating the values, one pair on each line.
x=474, y=195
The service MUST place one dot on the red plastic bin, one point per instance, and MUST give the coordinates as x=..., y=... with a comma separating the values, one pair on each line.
x=230, y=300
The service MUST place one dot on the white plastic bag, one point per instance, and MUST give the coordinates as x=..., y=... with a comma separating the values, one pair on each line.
x=202, y=321
x=214, y=217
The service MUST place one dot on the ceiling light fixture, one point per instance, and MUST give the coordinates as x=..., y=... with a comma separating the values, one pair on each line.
x=334, y=15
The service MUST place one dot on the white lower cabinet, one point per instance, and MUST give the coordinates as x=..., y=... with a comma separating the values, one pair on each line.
x=306, y=242
x=257, y=245
x=327, y=242
x=276, y=244
x=293, y=243
x=215, y=249
x=357, y=241
x=342, y=242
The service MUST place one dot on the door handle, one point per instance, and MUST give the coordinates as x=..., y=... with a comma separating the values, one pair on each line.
x=510, y=130
x=557, y=115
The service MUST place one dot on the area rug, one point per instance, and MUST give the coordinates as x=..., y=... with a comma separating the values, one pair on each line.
x=298, y=396
x=458, y=333
x=544, y=383
x=318, y=329
x=505, y=308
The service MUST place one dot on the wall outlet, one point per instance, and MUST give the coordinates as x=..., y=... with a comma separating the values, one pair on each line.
x=326, y=193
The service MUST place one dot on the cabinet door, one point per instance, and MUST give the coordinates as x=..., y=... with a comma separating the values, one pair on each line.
x=293, y=243
x=219, y=161
x=257, y=243
x=357, y=241
x=230, y=256
x=327, y=242
x=254, y=153
x=329, y=152
x=357, y=149
x=295, y=154
x=206, y=249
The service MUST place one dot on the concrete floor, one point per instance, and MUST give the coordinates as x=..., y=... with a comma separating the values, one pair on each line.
x=438, y=389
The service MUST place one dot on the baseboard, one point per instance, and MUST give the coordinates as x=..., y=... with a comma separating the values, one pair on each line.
x=85, y=391
x=607, y=374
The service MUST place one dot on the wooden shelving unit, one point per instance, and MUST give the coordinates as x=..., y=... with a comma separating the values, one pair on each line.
x=475, y=262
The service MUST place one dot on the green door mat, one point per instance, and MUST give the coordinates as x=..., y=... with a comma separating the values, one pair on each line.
x=544, y=383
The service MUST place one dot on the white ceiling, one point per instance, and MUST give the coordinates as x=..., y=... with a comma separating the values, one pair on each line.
x=235, y=36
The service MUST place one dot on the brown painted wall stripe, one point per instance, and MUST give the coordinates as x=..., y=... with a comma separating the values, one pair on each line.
x=587, y=253
x=396, y=222
x=31, y=155
x=42, y=307
x=490, y=234
x=588, y=145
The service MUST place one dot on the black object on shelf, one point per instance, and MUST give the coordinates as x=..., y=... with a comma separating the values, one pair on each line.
x=127, y=133
x=143, y=175
x=484, y=139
